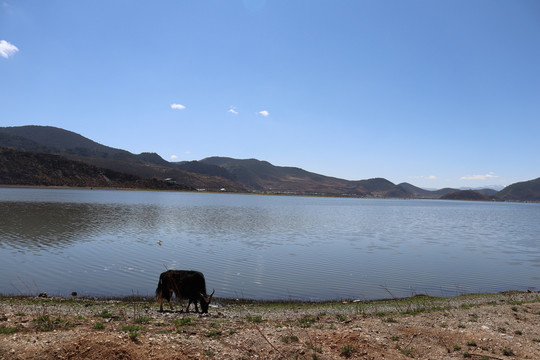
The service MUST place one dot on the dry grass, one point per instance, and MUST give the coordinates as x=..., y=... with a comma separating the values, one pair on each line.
x=489, y=326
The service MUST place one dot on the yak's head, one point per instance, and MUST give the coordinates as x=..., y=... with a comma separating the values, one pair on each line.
x=205, y=301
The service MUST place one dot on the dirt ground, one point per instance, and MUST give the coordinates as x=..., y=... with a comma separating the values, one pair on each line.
x=498, y=326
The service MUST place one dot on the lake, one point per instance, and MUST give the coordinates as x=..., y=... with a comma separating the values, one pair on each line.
x=114, y=243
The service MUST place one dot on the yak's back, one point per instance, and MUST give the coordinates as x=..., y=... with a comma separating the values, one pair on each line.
x=189, y=282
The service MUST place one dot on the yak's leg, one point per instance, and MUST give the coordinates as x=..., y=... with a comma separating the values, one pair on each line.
x=171, y=297
x=160, y=300
x=189, y=303
x=168, y=294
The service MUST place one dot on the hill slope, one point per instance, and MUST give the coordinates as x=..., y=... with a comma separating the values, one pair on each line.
x=56, y=141
x=215, y=173
x=521, y=191
x=33, y=169
x=470, y=195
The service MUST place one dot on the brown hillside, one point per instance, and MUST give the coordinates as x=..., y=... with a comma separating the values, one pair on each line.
x=24, y=168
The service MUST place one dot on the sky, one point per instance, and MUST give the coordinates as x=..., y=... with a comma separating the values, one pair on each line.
x=437, y=93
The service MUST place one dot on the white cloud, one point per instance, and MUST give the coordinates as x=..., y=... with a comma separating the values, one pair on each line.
x=7, y=49
x=490, y=175
x=177, y=106
x=233, y=110
x=432, y=177
x=174, y=157
x=264, y=113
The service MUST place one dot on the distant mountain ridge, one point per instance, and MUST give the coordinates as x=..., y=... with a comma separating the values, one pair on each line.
x=470, y=195
x=56, y=141
x=222, y=173
x=36, y=169
x=521, y=191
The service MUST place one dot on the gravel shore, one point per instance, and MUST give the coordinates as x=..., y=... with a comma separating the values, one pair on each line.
x=486, y=326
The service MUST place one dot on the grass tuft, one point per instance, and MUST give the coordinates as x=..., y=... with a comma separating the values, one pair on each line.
x=347, y=351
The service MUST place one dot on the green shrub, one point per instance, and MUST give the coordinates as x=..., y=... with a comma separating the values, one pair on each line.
x=213, y=334
x=508, y=352
x=143, y=320
x=186, y=321
x=289, y=339
x=254, y=319
x=347, y=350
x=105, y=314
x=7, y=330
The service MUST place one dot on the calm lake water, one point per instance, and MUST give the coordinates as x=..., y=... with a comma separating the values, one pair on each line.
x=105, y=243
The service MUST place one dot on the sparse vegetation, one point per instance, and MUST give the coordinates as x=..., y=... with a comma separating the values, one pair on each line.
x=254, y=319
x=508, y=352
x=185, y=321
x=347, y=350
x=45, y=323
x=7, y=330
x=287, y=330
x=133, y=331
x=307, y=321
x=143, y=320
x=105, y=314
x=99, y=326
x=289, y=339
x=213, y=334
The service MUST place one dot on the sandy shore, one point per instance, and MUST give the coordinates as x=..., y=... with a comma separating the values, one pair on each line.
x=488, y=326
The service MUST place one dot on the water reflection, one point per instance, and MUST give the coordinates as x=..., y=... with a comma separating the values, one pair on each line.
x=106, y=243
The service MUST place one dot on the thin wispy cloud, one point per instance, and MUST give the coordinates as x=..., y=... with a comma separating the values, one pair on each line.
x=177, y=106
x=7, y=49
x=263, y=113
x=174, y=157
x=233, y=110
x=490, y=175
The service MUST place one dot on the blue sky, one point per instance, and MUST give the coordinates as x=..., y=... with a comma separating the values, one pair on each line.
x=435, y=93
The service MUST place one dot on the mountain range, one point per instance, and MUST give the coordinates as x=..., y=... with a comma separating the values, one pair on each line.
x=121, y=168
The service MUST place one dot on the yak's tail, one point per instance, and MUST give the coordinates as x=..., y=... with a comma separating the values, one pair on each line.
x=159, y=290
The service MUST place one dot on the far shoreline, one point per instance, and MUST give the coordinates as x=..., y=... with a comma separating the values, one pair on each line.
x=51, y=187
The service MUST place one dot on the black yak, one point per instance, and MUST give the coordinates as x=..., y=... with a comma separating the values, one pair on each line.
x=186, y=284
